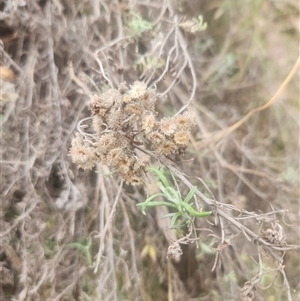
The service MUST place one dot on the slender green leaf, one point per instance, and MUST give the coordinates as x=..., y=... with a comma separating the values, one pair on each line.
x=207, y=249
x=155, y=204
x=84, y=249
x=166, y=192
x=175, y=194
x=190, y=194
x=168, y=215
x=149, y=199
x=173, y=220
x=194, y=212
x=76, y=245
x=145, y=204
x=160, y=175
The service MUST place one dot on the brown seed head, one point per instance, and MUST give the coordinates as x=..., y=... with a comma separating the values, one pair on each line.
x=156, y=138
x=141, y=162
x=182, y=137
x=185, y=121
x=167, y=148
x=134, y=108
x=81, y=154
x=107, y=142
x=131, y=177
x=113, y=155
x=123, y=163
x=167, y=126
x=138, y=89
x=148, y=123
x=148, y=100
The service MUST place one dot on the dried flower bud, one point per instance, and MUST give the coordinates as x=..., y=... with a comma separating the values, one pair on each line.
x=131, y=177
x=107, y=142
x=114, y=119
x=112, y=157
x=148, y=100
x=141, y=162
x=138, y=89
x=100, y=104
x=174, y=252
x=167, y=148
x=156, y=138
x=82, y=155
x=148, y=123
x=185, y=121
x=123, y=163
x=275, y=235
x=167, y=126
x=135, y=180
x=134, y=108
x=127, y=98
x=182, y=137
x=123, y=88
x=98, y=124
x=98, y=109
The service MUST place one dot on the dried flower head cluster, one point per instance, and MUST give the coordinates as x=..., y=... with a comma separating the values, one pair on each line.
x=174, y=251
x=124, y=120
x=275, y=235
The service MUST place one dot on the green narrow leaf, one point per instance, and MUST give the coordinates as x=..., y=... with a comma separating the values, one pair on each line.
x=149, y=199
x=190, y=194
x=160, y=175
x=168, y=215
x=145, y=204
x=76, y=245
x=173, y=220
x=84, y=249
x=165, y=192
x=155, y=204
x=194, y=212
x=175, y=194
x=206, y=249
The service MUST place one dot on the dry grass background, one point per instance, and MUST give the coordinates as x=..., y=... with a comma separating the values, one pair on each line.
x=57, y=220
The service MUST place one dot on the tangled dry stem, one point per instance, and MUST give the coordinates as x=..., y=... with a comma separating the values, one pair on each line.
x=55, y=54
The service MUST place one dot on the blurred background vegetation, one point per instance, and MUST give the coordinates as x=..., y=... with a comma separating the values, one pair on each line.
x=57, y=220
